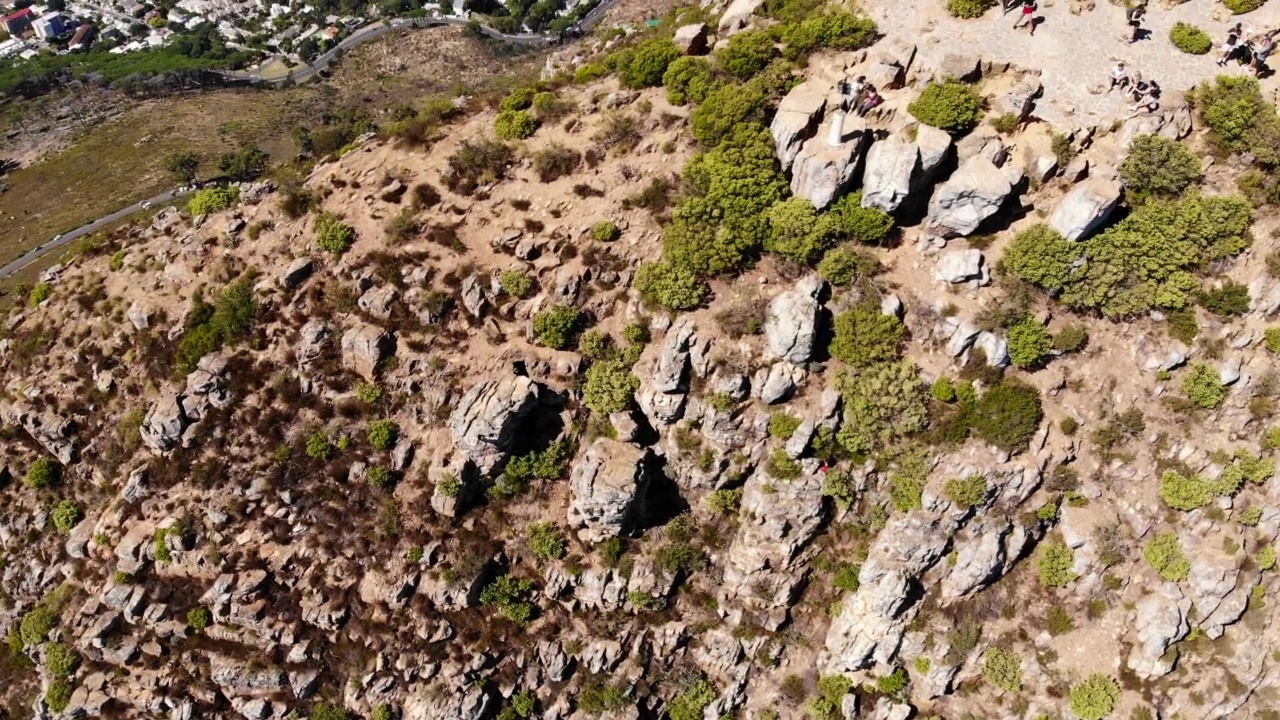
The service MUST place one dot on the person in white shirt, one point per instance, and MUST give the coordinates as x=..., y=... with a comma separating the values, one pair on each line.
x=1119, y=77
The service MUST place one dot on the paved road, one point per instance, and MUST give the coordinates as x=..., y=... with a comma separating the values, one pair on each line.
x=71, y=236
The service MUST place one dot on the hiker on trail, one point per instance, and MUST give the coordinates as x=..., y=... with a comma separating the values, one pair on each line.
x=1119, y=77
x=1232, y=44
x=1133, y=16
x=1027, y=17
x=1263, y=52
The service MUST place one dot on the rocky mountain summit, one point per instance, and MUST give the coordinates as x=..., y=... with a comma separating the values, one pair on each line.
x=693, y=396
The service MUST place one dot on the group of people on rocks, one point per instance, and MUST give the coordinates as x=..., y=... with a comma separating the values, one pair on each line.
x=1252, y=51
x=859, y=96
x=1144, y=94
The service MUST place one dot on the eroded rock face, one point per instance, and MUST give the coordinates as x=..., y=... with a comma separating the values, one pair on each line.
x=797, y=119
x=973, y=193
x=485, y=421
x=363, y=347
x=164, y=424
x=823, y=172
x=55, y=434
x=791, y=321
x=665, y=378
x=608, y=489
x=892, y=167
x=692, y=39
x=1159, y=621
x=1085, y=208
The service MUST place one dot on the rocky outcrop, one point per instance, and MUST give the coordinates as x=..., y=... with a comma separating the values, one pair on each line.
x=55, y=434
x=797, y=119
x=692, y=39
x=165, y=422
x=364, y=346
x=485, y=421
x=607, y=488
x=297, y=272
x=891, y=170
x=737, y=16
x=778, y=520
x=973, y=193
x=1085, y=208
x=665, y=377
x=791, y=322
x=1159, y=621
x=823, y=172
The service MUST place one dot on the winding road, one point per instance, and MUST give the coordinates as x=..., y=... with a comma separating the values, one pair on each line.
x=363, y=35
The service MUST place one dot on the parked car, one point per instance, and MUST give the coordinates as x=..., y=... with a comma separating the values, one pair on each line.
x=146, y=205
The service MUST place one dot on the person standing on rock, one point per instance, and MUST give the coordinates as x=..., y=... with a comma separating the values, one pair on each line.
x=1134, y=17
x=1263, y=51
x=1232, y=44
x=1027, y=16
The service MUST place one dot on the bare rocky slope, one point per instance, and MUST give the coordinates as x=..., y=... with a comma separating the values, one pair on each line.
x=230, y=527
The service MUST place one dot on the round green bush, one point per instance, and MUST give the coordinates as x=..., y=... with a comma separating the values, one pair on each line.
x=969, y=9
x=333, y=235
x=670, y=285
x=605, y=231
x=1158, y=166
x=1240, y=7
x=1203, y=386
x=1029, y=343
x=1095, y=697
x=747, y=53
x=555, y=327
x=951, y=106
x=515, y=125
x=1190, y=39
x=199, y=618
x=1008, y=415
x=43, y=473
x=383, y=434
x=648, y=63
x=609, y=387
x=66, y=515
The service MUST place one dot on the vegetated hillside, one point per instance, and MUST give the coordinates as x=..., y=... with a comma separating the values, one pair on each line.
x=646, y=394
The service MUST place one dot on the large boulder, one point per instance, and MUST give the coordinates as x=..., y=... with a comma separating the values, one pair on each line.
x=664, y=379
x=797, y=119
x=959, y=266
x=1160, y=620
x=607, y=486
x=891, y=169
x=737, y=16
x=692, y=39
x=823, y=172
x=791, y=322
x=1085, y=208
x=486, y=419
x=54, y=433
x=363, y=347
x=975, y=192
x=164, y=424
x=934, y=145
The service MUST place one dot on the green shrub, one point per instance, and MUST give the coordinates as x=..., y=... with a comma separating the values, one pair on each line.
x=589, y=72
x=949, y=105
x=333, y=235
x=326, y=711
x=1159, y=167
x=782, y=426
x=1226, y=300
x=505, y=595
x=1003, y=669
x=780, y=466
x=636, y=333
x=1164, y=553
x=842, y=265
x=520, y=99
x=1203, y=387
x=1266, y=558
x=850, y=221
x=36, y=625
x=1005, y=124
x=318, y=446
x=609, y=387
x=725, y=502
x=384, y=712
x=555, y=161
x=688, y=80
x=1058, y=621
x=846, y=577
x=1071, y=339
x=649, y=63
x=1054, y=564
x=516, y=283
x=666, y=284
x=967, y=493
x=1040, y=256
x=477, y=163
x=1008, y=415
x=555, y=327
x=837, y=484
x=383, y=434
x=906, y=483
x=595, y=344
x=605, y=231
x=213, y=199
x=1185, y=493
x=66, y=515
x=882, y=403
x=796, y=232
x=1271, y=338
x=689, y=704
x=43, y=473
x=379, y=477
x=1190, y=39
x=58, y=696
x=515, y=125
x=199, y=618
x=746, y=53
x=970, y=9
x=40, y=293
x=1029, y=343
x=865, y=336
x=1239, y=7
x=829, y=29
x=725, y=109
x=1094, y=697
x=943, y=390
x=1239, y=118
x=60, y=660
x=545, y=540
